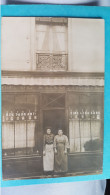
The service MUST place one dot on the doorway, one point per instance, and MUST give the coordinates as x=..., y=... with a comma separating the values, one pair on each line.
x=53, y=110
x=55, y=119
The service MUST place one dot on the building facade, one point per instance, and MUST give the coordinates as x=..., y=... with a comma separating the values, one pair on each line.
x=52, y=75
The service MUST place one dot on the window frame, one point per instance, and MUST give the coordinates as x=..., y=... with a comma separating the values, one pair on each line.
x=50, y=21
x=79, y=93
x=35, y=148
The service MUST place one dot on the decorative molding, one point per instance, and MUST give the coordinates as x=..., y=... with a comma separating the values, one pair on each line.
x=52, y=81
x=51, y=62
x=9, y=73
x=52, y=20
x=49, y=89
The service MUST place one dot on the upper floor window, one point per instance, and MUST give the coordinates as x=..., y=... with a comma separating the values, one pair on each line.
x=51, y=44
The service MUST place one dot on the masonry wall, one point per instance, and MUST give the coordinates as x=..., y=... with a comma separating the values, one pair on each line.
x=85, y=44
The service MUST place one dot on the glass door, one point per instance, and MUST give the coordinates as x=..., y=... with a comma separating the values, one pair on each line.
x=53, y=112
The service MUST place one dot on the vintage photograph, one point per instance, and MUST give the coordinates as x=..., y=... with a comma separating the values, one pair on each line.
x=52, y=97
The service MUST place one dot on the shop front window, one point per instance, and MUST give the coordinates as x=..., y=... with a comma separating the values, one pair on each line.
x=19, y=124
x=8, y=124
x=85, y=122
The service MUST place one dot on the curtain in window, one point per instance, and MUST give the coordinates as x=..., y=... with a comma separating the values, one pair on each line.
x=51, y=46
x=85, y=121
x=31, y=125
x=96, y=129
x=8, y=123
x=19, y=119
x=74, y=135
x=7, y=135
x=85, y=133
x=20, y=134
x=51, y=38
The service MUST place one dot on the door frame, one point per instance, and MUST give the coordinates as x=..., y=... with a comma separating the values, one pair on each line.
x=53, y=108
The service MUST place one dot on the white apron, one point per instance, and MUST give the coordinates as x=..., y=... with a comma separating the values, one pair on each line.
x=48, y=158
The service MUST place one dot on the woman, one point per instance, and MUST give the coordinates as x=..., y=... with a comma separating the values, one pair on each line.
x=48, y=152
x=61, y=145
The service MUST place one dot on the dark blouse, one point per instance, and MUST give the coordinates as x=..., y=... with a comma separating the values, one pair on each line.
x=48, y=139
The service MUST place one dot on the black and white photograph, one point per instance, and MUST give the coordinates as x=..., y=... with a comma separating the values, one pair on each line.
x=52, y=72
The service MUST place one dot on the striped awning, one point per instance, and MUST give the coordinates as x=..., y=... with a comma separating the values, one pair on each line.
x=52, y=81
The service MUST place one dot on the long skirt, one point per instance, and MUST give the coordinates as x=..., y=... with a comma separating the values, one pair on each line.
x=48, y=158
x=61, y=159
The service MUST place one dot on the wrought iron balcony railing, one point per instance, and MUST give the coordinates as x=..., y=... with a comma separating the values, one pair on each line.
x=51, y=62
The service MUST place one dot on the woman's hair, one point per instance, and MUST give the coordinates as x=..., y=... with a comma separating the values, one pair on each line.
x=48, y=128
x=60, y=129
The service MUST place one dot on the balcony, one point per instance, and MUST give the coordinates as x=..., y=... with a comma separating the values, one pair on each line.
x=51, y=62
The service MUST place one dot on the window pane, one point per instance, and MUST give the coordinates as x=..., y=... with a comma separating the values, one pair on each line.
x=96, y=106
x=7, y=135
x=32, y=106
x=20, y=119
x=96, y=129
x=8, y=124
x=85, y=106
x=51, y=47
x=85, y=121
x=53, y=100
x=59, y=39
x=85, y=133
x=7, y=108
x=96, y=120
x=84, y=114
x=20, y=134
x=20, y=106
x=74, y=133
x=51, y=38
x=96, y=115
x=20, y=124
x=31, y=134
x=32, y=117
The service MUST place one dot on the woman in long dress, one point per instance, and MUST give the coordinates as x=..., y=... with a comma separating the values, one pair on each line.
x=60, y=146
x=48, y=152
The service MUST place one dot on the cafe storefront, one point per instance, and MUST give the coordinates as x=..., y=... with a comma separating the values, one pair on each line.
x=53, y=75
x=29, y=109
